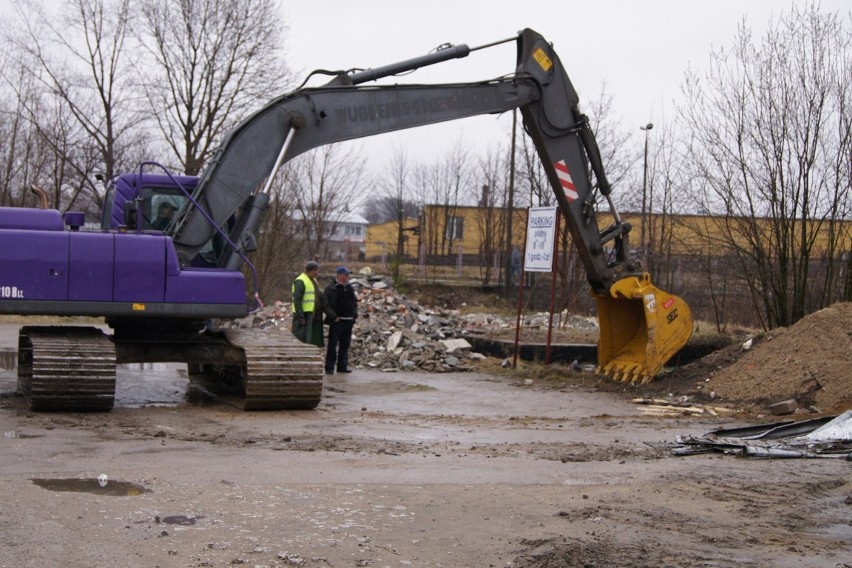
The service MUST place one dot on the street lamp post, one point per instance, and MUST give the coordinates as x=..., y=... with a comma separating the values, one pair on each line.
x=643, y=244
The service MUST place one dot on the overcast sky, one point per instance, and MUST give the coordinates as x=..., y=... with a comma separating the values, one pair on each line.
x=638, y=49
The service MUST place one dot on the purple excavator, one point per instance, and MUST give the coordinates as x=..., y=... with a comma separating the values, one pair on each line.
x=159, y=279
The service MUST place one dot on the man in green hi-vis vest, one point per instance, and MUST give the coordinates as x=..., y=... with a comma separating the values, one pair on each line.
x=307, y=306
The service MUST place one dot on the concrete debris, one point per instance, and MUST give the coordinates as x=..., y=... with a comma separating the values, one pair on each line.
x=826, y=437
x=395, y=333
x=394, y=340
x=784, y=407
x=276, y=315
x=454, y=345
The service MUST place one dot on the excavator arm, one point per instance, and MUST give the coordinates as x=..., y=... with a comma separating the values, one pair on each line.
x=310, y=118
x=641, y=326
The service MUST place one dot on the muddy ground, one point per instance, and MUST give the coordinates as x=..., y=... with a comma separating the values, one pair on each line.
x=402, y=469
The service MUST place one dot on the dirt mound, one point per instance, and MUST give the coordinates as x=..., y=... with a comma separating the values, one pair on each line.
x=562, y=552
x=810, y=361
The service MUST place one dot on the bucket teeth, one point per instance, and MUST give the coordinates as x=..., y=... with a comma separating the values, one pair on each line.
x=633, y=373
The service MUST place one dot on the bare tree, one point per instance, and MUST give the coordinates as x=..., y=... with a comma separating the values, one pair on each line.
x=215, y=61
x=327, y=183
x=278, y=257
x=81, y=61
x=22, y=155
x=385, y=208
x=616, y=144
x=667, y=177
x=490, y=217
x=532, y=179
x=394, y=183
x=771, y=142
x=448, y=179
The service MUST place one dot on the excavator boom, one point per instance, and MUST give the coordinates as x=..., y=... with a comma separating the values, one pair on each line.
x=641, y=326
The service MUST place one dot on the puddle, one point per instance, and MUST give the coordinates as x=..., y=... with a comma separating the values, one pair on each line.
x=8, y=360
x=150, y=366
x=137, y=385
x=150, y=384
x=182, y=520
x=94, y=486
x=839, y=532
x=14, y=434
x=417, y=387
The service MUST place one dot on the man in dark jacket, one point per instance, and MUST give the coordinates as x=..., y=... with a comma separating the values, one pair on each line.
x=341, y=309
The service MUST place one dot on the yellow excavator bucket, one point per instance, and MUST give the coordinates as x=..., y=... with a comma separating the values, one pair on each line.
x=641, y=328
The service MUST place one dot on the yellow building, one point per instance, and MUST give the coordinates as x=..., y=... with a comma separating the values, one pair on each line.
x=448, y=230
x=382, y=239
x=445, y=231
x=710, y=235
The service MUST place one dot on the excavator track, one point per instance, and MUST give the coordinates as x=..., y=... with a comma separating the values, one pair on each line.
x=66, y=369
x=278, y=372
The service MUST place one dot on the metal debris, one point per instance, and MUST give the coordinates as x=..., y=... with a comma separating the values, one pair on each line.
x=827, y=437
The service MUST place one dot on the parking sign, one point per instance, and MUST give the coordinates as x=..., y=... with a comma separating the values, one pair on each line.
x=541, y=229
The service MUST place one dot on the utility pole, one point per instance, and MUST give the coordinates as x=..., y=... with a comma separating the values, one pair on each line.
x=643, y=243
x=510, y=210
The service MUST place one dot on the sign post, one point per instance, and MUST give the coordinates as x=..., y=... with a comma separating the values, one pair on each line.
x=538, y=256
x=552, y=291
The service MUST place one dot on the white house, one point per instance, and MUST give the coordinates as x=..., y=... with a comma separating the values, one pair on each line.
x=347, y=240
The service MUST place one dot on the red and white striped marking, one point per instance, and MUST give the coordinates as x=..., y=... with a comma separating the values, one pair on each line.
x=565, y=180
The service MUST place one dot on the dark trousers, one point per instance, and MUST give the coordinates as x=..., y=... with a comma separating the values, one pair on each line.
x=337, y=351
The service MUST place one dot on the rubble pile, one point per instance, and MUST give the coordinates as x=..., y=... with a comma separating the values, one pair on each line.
x=396, y=333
